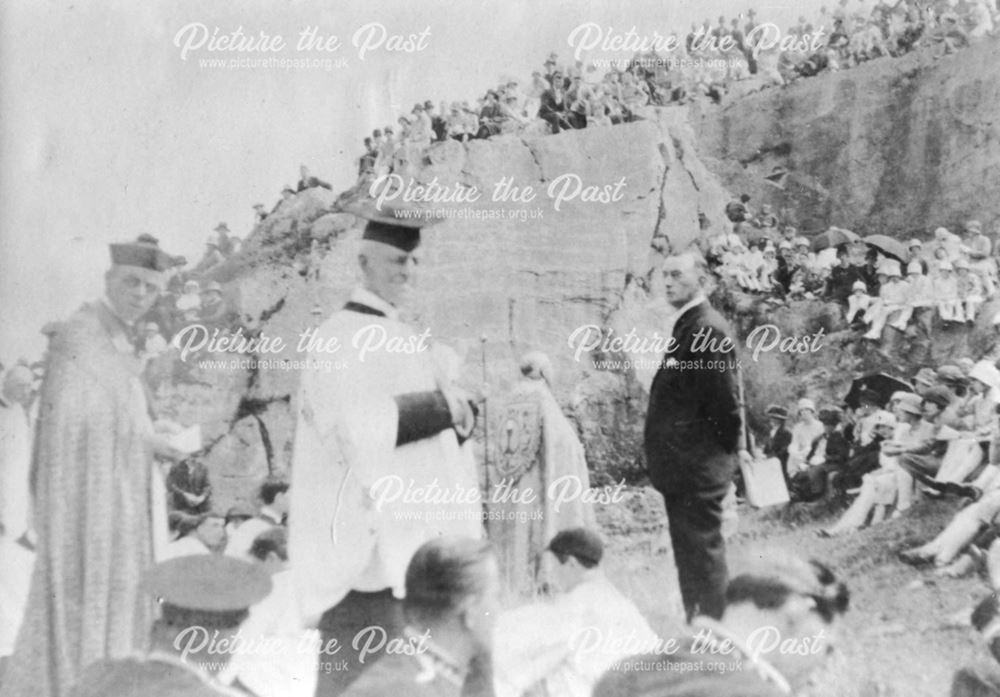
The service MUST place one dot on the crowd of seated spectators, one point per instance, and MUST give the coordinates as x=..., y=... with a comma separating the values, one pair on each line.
x=943, y=281
x=704, y=66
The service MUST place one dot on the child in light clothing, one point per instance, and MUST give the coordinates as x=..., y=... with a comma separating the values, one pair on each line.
x=858, y=302
x=735, y=263
x=971, y=293
x=946, y=293
x=891, y=299
x=915, y=292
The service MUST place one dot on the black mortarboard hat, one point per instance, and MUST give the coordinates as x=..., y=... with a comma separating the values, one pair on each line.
x=144, y=252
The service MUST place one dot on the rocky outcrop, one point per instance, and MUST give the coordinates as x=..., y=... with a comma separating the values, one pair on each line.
x=491, y=287
x=892, y=146
x=897, y=146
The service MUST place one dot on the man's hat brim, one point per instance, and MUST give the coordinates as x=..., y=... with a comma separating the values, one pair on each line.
x=396, y=226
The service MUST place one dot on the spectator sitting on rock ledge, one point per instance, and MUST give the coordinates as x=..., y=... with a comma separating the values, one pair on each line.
x=309, y=182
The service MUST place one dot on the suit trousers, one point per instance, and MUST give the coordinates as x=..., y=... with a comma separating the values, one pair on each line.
x=357, y=611
x=695, y=520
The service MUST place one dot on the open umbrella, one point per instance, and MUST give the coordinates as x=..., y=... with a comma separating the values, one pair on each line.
x=887, y=245
x=882, y=384
x=834, y=237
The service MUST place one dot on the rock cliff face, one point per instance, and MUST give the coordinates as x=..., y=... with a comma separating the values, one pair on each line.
x=490, y=288
x=898, y=146
x=892, y=146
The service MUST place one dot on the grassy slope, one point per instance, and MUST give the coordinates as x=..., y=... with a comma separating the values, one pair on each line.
x=896, y=639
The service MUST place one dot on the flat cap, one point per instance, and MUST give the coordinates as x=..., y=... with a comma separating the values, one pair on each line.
x=938, y=395
x=950, y=373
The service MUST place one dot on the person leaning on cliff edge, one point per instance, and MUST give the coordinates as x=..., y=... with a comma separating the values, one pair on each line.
x=691, y=435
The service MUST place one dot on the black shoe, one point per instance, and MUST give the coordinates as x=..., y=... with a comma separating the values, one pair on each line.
x=966, y=491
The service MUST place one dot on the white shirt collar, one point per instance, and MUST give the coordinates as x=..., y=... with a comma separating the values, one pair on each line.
x=363, y=296
x=764, y=669
x=693, y=302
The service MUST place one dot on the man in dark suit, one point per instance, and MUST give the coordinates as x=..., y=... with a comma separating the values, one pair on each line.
x=691, y=434
x=779, y=438
x=553, y=107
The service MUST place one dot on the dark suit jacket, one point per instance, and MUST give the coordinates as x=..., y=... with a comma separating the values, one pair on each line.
x=693, y=423
x=777, y=445
x=837, y=450
x=551, y=104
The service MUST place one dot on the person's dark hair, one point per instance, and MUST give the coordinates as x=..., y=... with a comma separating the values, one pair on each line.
x=442, y=574
x=771, y=592
x=274, y=540
x=842, y=251
x=270, y=489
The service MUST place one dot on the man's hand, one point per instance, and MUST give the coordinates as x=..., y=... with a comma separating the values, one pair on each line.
x=463, y=418
x=193, y=500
